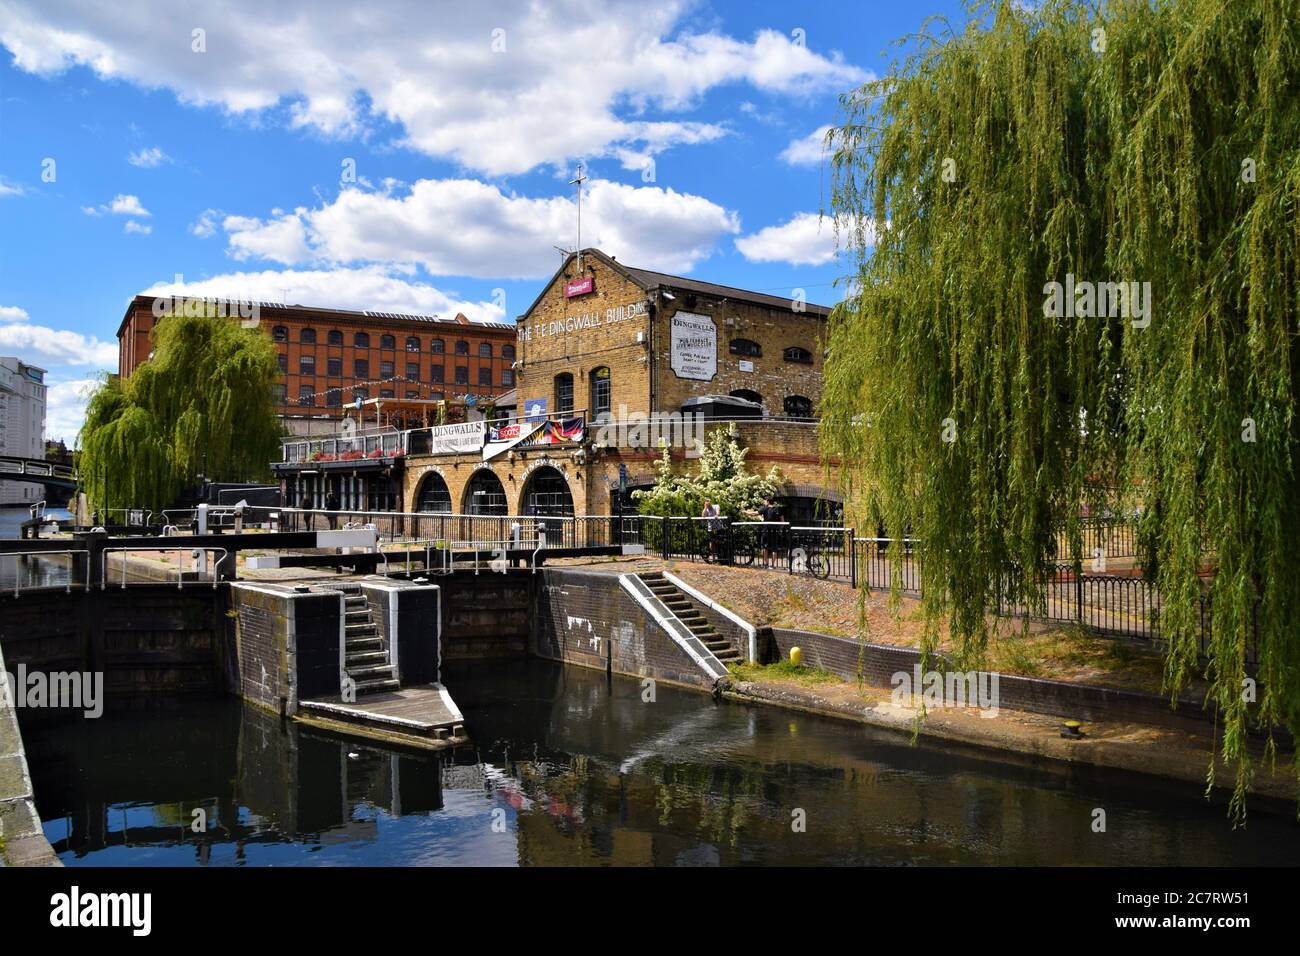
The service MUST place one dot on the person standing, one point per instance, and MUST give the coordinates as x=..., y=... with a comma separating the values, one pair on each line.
x=713, y=524
x=331, y=508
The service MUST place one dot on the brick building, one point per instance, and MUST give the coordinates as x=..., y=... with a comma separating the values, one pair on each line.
x=603, y=347
x=331, y=357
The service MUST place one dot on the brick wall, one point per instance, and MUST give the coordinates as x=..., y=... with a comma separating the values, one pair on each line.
x=415, y=649
x=486, y=615
x=286, y=645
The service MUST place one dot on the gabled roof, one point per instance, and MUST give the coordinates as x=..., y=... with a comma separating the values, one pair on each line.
x=650, y=280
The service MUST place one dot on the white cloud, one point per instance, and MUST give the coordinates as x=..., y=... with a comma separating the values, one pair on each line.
x=465, y=227
x=124, y=204
x=374, y=288
x=809, y=150
x=139, y=228
x=572, y=79
x=806, y=240
x=205, y=227
x=9, y=189
x=148, y=158
x=48, y=347
x=65, y=408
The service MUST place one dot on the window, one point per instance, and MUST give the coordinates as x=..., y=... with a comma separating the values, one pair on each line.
x=307, y=336
x=748, y=395
x=508, y=352
x=385, y=393
x=796, y=354
x=306, y=365
x=334, y=337
x=796, y=406
x=280, y=394
x=413, y=371
x=436, y=374
x=507, y=378
x=385, y=369
x=746, y=347
x=361, y=393
x=412, y=393
x=334, y=397
x=280, y=334
x=462, y=347
x=435, y=346
x=485, y=350
x=412, y=343
x=334, y=367
x=600, y=394
x=360, y=368
x=485, y=377
x=387, y=342
x=284, y=362
x=361, y=340
x=305, y=395
x=563, y=393
x=462, y=374
x=436, y=396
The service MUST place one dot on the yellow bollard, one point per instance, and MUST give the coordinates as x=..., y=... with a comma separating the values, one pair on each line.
x=796, y=656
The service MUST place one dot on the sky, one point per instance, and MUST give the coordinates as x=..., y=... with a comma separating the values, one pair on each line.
x=407, y=156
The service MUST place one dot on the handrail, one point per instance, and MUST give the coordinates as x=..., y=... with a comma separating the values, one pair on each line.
x=67, y=587
x=180, y=562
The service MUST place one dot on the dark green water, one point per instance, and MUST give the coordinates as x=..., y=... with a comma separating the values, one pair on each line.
x=572, y=768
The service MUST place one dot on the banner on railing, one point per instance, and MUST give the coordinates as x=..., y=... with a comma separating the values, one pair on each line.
x=504, y=438
x=566, y=432
x=459, y=439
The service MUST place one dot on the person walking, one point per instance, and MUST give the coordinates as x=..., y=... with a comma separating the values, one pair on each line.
x=331, y=508
x=304, y=506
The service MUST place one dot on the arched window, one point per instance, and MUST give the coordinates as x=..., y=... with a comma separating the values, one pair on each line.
x=334, y=337
x=412, y=343
x=746, y=347
x=361, y=340
x=435, y=346
x=485, y=350
x=600, y=389
x=508, y=353
x=484, y=495
x=462, y=347
x=434, y=495
x=563, y=393
x=547, y=494
x=280, y=333
x=797, y=354
x=307, y=336
x=387, y=342
x=748, y=395
x=796, y=406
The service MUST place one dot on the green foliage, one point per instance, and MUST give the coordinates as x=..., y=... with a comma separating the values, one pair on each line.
x=205, y=396
x=1119, y=156
x=721, y=477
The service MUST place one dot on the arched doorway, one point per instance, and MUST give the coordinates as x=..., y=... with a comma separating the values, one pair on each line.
x=433, y=496
x=484, y=495
x=547, y=493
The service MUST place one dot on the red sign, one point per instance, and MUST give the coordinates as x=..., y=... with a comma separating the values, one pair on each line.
x=579, y=287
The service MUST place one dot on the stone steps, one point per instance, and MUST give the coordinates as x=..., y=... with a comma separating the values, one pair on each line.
x=682, y=608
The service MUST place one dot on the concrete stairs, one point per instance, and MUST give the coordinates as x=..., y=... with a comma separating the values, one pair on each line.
x=365, y=656
x=685, y=611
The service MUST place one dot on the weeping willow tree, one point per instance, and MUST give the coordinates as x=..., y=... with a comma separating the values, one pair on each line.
x=985, y=378
x=203, y=403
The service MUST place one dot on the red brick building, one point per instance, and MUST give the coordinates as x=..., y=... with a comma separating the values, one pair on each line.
x=331, y=357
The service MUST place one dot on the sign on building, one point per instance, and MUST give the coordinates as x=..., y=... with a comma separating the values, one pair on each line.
x=694, y=346
x=457, y=439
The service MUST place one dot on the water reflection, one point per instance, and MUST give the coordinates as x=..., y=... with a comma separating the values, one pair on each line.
x=22, y=571
x=571, y=767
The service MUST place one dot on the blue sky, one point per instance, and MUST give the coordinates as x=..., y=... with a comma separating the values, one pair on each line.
x=405, y=156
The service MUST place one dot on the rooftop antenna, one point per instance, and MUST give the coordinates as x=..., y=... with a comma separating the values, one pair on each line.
x=578, y=182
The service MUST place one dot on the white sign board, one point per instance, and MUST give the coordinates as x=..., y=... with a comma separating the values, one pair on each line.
x=457, y=439
x=694, y=346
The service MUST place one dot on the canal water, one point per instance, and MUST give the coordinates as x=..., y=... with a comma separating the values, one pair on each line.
x=25, y=572
x=572, y=767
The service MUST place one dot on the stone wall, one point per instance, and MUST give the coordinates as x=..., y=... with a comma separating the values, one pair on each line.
x=285, y=644
x=486, y=615
x=585, y=617
x=407, y=618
